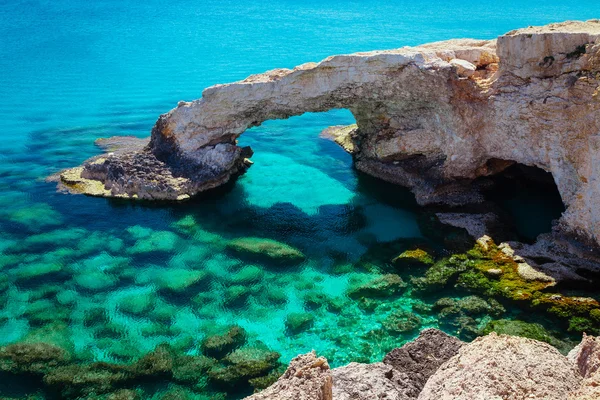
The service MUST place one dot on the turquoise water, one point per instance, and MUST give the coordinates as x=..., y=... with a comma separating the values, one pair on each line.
x=73, y=71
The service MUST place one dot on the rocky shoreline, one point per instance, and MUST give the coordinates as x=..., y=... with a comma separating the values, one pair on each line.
x=439, y=367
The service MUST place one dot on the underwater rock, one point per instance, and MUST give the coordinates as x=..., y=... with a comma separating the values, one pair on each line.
x=192, y=369
x=528, y=330
x=299, y=322
x=420, y=358
x=36, y=216
x=382, y=287
x=94, y=280
x=496, y=366
x=440, y=274
x=179, y=280
x=466, y=314
x=236, y=296
x=33, y=272
x=306, y=378
x=242, y=365
x=414, y=258
x=372, y=381
x=36, y=358
x=164, y=241
x=265, y=249
x=248, y=275
x=75, y=381
x=469, y=305
x=218, y=346
x=156, y=363
x=401, y=321
x=137, y=303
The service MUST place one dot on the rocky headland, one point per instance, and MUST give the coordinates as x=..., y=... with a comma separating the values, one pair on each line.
x=433, y=118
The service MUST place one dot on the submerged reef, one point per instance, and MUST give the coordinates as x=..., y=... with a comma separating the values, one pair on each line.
x=432, y=118
x=229, y=365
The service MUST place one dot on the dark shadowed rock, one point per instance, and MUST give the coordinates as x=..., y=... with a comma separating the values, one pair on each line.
x=420, y=358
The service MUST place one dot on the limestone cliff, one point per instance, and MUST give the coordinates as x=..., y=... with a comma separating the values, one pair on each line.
x=432, y=118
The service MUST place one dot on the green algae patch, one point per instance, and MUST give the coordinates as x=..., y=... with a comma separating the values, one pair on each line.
x=244, y=364
x=526, y=329
x=414, y=258
x=265, y=249
x=299, y=322
x=401, y=321
x=218, y=346
x=382, y=287
x=495, y=271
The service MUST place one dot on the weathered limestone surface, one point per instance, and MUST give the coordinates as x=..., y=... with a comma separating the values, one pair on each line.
x=439, y=367
x=372, y=381
x=432, y=118
x=497, y=367
x=307, y=378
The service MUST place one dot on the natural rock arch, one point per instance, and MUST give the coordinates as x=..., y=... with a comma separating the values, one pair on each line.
x=429, y=117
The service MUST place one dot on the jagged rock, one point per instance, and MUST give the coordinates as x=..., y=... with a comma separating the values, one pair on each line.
x=586, y=358
x=420, y=358
x=424, y=118
x=307, y=378
x=372, y=381
x=503, y=367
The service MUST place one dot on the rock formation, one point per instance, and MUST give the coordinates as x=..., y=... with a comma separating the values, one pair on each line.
x=503, y=367
x=432, y=118
x=438, y=367
x=307, y=378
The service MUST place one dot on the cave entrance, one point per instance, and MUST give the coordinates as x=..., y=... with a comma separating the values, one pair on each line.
x=529, y=196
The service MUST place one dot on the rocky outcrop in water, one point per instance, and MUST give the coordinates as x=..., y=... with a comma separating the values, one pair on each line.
x=438, y=367
x=432, y=118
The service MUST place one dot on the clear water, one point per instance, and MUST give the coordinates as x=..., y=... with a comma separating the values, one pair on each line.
x=73, y=71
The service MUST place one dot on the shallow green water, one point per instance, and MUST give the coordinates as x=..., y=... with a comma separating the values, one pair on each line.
x=112, y=279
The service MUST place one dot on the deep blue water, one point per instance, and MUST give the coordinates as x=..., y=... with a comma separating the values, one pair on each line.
x=73, y=71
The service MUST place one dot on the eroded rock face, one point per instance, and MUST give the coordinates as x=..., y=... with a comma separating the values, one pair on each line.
x=586, y=358
x=308, y=377
x=420, y=358
x=503, y=367
x=432, y=118
x=372, y=381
